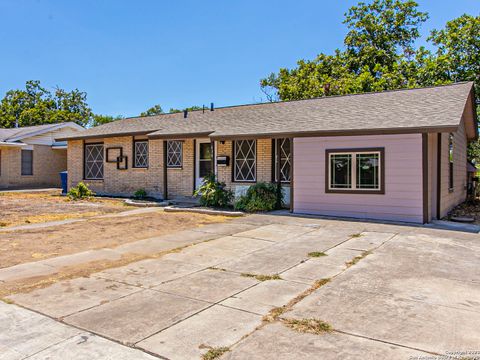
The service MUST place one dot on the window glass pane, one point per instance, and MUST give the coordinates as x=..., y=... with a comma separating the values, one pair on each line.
x=205, y=151
x=368, y=172
x=285, y=159
x=245, y=160
x=340, y=173
x=94, y=161
x=205, y=168
x=174, y=153
x=141, y=153
x=27, y=162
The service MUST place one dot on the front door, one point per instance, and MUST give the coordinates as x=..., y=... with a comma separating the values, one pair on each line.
x=203, y=161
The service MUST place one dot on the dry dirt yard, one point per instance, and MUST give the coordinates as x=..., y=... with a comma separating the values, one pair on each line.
x=98, y=229
x=19, y=208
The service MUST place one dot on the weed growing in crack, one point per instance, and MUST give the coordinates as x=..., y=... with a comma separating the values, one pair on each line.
x=357, y=235
x=216, y=268
x=312, y=326
x=261, y=277
x=215, y=353
x=356, y=259
x=316, y=254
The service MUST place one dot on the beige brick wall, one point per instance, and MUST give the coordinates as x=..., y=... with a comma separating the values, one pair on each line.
x=126, y=182
x=47, y=164
x=180, y=181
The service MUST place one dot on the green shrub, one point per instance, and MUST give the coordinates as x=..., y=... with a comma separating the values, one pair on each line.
x=140, y=194
x=81, y=191
x=260, y=197
x=213, y=193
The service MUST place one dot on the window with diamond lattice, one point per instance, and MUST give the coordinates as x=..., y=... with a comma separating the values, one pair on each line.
x=174, y=154
x=140, y=154
x=245, y=160
x=93, y=161
x=285, y=159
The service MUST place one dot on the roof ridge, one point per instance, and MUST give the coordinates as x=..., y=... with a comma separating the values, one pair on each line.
x=308, y=99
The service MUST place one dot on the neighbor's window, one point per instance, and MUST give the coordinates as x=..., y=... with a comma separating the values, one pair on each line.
x=285, y=159
x=450, y=161
x=93, y=161
x=140, y=153
x=245, y=163
x=355, y=170
x=27, y=162
x=174, y=154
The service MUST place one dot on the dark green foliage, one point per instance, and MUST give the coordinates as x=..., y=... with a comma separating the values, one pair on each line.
x=140, y=194
x=213, y=193
x=260, y=197
x=154, y=110
x=79, y=192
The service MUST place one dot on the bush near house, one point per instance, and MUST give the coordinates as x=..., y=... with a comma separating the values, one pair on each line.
x=140, y=194
x=261, y=197
x=213, y=193
x=79, y=192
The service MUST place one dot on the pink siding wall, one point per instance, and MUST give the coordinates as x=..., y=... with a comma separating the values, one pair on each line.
x=402, y=200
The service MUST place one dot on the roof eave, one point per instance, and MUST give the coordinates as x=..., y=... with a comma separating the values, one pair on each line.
x=180, y=135
x=101, y=136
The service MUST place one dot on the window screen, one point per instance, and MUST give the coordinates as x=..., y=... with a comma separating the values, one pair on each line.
x=174, y=154
x=140, y=154
x=27, y=162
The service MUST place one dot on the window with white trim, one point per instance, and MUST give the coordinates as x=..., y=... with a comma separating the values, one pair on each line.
x=245, y=160
x=93, y=161
x=174, y=154
x=140, y=153
x=355, y=170
x=285, y=159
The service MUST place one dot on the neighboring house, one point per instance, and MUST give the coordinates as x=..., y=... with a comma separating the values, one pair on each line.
x=30, y=156
x=395, y=155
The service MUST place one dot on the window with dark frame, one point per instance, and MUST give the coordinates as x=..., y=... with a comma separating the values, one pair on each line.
x=174, y=154
x=450, y=162
x=245, y=160
x=140, y=153
x=355, y=171
x=27, y=162
x=285, y=159
x=93, y=161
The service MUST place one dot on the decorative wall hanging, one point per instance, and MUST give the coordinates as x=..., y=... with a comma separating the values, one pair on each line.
x=113, y=153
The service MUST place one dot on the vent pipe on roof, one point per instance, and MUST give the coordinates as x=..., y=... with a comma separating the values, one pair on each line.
x=203, y=109
x=211, y=106
x=185, y=113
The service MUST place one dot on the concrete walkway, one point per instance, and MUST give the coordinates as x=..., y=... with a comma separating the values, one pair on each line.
x=394, y=292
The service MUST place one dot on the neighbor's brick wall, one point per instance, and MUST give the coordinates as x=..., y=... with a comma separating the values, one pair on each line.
x=47, y=164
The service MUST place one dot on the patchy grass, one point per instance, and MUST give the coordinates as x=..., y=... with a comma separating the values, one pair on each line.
x=261, y=277
x=216, y=268
x=316, y=254
x=356, y=235
x=356, y=259
x=311, y=326
x=215, y=353
x=275, y=313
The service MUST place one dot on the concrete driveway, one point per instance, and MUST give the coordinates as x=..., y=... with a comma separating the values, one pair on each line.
x=254, y=288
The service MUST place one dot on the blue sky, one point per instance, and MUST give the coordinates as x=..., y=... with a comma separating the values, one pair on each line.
x=130, y=55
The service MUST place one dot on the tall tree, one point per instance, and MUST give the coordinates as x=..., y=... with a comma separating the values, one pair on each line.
x=104, y=119
x=191, y=108
x=35, y=105
x=154, y=110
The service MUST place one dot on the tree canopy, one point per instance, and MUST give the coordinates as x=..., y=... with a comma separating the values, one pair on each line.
x=379, y=54
x=154, y=110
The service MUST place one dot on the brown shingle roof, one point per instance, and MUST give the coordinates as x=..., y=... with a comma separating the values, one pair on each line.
x=438, y=107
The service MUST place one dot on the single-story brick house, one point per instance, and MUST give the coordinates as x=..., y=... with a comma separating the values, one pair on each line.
x=394, y=155
x=30, y=156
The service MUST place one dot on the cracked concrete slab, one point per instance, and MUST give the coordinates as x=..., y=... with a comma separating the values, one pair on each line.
x=208, y=285
x=275, y=232
x=23, y=271
x=226, y=228
x=150, y=272
x=313, y=269
x=281, y=343
x=68, y=297
x=266, y=295
x=366, y=241
x=217, y=326
x=137, y=316
x=393, y=319
x=88, y=346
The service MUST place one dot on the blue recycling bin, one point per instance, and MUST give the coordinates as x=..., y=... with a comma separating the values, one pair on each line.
x=64, y=178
